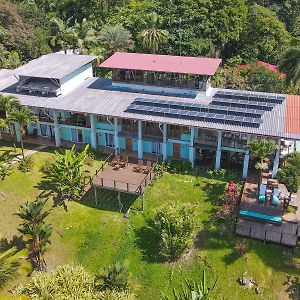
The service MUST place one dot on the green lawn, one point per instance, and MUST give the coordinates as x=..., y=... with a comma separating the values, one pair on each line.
x=97, y=236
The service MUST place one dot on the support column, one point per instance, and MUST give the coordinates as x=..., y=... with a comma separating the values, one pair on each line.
x=93, y=121
x=276, y=160
x=140, y=141
x=18, y=132
x=116, y=135
x=192, y=149
x=56, y=128
x=218, y=152
x=164, y=145
x=246, y=160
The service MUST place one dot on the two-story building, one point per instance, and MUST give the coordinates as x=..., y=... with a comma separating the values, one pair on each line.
x=153, y=106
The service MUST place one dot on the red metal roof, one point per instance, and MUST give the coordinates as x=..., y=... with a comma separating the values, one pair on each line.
x=292, y=115
x=270, y=67
x=163, y=63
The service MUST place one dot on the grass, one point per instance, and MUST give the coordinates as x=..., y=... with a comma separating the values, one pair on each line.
x=98, y=235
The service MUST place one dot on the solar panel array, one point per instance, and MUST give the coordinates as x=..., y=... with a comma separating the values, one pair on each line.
x=243, y=109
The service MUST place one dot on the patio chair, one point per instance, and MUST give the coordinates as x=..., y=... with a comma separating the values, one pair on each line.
x=147, y=170
x=124, y=162
x=140, y=167
x=262, y=193
x=275, y=197
x=115, y=161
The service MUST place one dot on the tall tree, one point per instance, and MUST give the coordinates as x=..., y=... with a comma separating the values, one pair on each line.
x=261, y=149
x=289, y=176
x=62, y=35
x=153, y=36
x=86, y=35
x=290, y=64
x=264, y=36
x=23, y=117
x=116, y=38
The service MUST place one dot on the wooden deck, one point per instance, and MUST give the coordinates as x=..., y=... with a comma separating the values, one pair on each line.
x=285, y=233
x=124, y=180
x=249, y=200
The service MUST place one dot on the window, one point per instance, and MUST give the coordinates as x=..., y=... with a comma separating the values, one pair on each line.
x=109, y=140
x=156, y=148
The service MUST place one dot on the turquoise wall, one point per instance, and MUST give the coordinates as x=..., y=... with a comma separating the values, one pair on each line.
x=185, y=137
x=134, y=145
x=169, y=149
x=122, y=143
x=65, y=133
x=87, y=136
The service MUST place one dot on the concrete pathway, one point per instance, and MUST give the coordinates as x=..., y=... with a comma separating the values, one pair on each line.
x=27, y=153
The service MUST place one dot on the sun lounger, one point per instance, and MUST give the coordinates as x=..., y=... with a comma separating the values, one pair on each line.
x=262, y=193
x=254, y=215
x=275, y=197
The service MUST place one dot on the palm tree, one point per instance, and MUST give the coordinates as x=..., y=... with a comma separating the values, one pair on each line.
x=36, y=231
x=62, y=34
x=8, y=103
x=23, y=117
x=290, y=64
x=152, y=37
x=116, y=38
x=261, y=149
x=12, y=264
x=33, y=212
x=85, y=35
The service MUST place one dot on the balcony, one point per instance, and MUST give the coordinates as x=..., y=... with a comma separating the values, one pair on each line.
x=234, y=143
x=76, y=120
x=45, y=118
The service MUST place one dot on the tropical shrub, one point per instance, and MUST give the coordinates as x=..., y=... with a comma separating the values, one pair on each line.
x=65, y=282
x=26, y=164
x=193, y=290
x=114, y=277
x=116, y=295
x=175, y=229
x=223, y=174
x=68, y=174
x=68, y=282
x=5, y=170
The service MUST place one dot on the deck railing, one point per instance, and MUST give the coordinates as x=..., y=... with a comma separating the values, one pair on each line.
x=144, y=183
x=103, y=164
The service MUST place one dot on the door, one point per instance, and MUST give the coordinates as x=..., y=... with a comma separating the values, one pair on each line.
x=74, y=136
x=109, y=140
x=128, y=144
x=176, y=151
x=156, y=148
